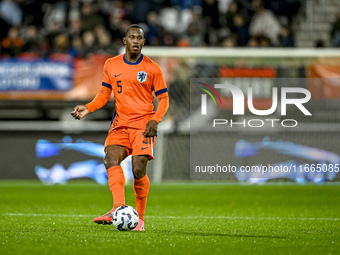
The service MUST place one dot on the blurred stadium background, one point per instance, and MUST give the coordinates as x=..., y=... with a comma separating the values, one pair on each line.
x=52, y=56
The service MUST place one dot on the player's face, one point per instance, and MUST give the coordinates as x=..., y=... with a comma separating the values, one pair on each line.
x=134, y=40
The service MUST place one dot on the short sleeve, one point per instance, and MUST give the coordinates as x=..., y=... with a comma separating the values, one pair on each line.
x=159, y=85
x=106, y=77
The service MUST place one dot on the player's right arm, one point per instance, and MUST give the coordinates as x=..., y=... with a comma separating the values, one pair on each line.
x=101, y=99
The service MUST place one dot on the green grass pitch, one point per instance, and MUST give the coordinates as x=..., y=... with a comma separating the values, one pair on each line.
x=182, y=218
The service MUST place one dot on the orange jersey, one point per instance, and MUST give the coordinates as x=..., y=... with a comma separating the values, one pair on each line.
x=132, y=85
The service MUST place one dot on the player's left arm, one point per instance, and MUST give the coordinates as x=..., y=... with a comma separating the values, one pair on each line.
x=161, y=92
x=162, y=108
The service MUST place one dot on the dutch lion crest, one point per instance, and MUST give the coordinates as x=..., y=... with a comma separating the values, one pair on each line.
x=141, y=76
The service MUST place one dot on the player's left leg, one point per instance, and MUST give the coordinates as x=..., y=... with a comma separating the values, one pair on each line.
x=142, y=152
x=141, y=186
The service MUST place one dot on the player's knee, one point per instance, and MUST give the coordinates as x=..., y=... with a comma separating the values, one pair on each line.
x=138, y=172
x=139, y=166
x=110, y=161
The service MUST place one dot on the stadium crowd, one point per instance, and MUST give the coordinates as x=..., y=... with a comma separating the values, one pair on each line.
x=80, y=27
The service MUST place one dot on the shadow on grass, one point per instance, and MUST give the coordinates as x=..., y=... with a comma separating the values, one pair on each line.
x=214, y=234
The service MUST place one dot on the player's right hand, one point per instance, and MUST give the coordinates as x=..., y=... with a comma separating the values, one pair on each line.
x=79, y=112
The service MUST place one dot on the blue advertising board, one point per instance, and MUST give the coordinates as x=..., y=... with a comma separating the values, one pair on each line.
x=35, y=75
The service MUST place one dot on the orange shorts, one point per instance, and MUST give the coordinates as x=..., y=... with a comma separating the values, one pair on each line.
x=133, y=140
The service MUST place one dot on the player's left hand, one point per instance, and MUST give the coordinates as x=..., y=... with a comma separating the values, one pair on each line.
x=151, y=128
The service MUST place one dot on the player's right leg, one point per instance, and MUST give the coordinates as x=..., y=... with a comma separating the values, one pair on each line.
x=114, y=155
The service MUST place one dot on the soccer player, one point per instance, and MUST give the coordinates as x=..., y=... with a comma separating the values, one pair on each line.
x=133, y=78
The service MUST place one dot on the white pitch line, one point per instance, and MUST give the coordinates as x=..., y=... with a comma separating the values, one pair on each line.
x=176, y=217
x=46, y=215
x=243, y=218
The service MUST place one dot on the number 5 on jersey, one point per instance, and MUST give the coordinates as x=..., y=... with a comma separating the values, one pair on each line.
x=120, y=88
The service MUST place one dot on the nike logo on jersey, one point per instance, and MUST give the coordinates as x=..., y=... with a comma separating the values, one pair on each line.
x=143, y=148
x=116, y=75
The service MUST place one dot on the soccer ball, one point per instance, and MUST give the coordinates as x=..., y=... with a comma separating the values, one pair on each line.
x=125, y=218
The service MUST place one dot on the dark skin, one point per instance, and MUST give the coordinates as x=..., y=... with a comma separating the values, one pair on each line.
x=115, y=154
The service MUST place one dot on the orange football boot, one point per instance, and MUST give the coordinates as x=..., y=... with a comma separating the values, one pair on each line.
x=140, y=226
x=106, y=218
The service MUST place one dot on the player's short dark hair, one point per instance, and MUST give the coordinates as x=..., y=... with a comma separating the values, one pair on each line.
x=133, y=26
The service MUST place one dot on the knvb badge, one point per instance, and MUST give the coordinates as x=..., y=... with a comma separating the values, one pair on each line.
x=239, y=104
x=141, y=76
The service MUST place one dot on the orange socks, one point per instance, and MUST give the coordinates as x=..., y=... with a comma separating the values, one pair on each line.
x=141, y=188
x=116, y=183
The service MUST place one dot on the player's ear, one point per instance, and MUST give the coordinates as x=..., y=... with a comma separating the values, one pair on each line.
x=124, y=40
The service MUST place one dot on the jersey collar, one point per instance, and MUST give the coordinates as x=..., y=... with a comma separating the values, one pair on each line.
x=133, y=63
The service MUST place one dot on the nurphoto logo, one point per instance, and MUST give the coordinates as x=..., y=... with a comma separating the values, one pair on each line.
x=239, y=104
